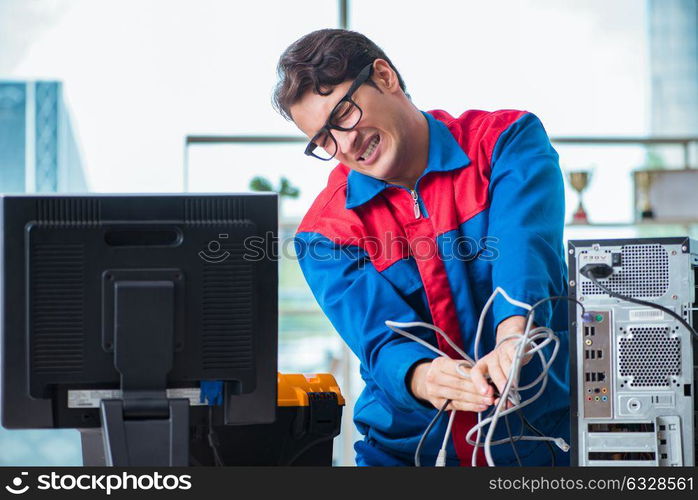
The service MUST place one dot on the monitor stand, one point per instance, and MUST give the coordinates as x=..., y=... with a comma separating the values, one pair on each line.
x=143, y=427
x=138, y=442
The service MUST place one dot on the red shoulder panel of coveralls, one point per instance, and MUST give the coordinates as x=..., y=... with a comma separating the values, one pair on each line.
x=375, y=226
x=456, y=196
x=328, y=215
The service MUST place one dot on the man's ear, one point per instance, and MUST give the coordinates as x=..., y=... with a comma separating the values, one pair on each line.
x=384, y=76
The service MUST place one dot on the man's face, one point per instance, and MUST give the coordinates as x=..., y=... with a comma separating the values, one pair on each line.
x=372, y=147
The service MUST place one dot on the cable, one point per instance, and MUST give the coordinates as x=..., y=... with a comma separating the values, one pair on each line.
x=393, y=324
x=504, y=396
x=451, y=418
x=511, y=438
x=539, y=433
x=441, y=457
x=213, y=438
x=478, y=334
x=556, y=297
x=538, y=333
x=521, y=415
x=513, y=373
x=592, y=271
x=418, y=451
x=534, y=339
x=485, y=308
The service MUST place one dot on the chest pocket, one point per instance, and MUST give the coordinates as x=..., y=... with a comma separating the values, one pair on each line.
x=405, y=278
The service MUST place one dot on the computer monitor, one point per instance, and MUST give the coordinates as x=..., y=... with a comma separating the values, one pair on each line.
x=116, y=307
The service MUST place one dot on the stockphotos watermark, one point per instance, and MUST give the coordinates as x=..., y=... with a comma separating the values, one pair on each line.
x=107, y=483
x=387, y=248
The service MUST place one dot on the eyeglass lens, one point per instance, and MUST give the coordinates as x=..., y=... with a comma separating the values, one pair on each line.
x=346, y=115
x=326, y=146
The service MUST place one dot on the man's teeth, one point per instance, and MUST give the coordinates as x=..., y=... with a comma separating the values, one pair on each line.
x=371, y=147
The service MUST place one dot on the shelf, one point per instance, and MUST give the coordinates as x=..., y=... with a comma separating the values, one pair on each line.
x=676, y=222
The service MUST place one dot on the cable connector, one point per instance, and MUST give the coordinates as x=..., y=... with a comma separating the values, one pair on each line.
x=441, y=459
x=562, y=444
x=599, y=271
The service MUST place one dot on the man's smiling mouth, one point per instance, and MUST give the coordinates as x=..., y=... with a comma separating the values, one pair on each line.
x=370, y=148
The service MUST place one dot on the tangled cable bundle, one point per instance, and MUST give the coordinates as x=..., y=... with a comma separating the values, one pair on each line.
x=531, y=342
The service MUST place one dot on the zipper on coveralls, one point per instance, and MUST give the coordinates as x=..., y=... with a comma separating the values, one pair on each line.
x=415, y=198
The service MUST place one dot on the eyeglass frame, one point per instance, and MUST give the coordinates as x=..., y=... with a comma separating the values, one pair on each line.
x=360, y=79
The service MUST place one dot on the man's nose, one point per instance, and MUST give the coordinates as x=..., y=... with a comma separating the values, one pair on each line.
x=346, y=141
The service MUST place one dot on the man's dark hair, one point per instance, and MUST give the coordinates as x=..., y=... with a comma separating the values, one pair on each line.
x=319, y=61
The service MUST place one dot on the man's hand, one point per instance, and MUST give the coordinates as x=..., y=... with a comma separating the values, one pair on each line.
x=438, y=380
x=497, y=363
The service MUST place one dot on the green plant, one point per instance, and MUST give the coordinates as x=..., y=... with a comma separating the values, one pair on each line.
x=653, y=159
x=285, y=189
x=260, y=184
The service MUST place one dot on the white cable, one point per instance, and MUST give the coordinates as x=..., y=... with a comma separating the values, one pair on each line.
x=441, y=457
x=512, y=376
x=483, y=313
x=409, y=324
x=545, y=366
x=529, y=338
x=480, y=325
x=511, y=379
x=393, y=326
x=507, y=394
x=448, y=429
x=559, y=442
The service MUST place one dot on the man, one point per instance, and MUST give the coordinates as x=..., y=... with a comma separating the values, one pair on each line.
x=422, y=218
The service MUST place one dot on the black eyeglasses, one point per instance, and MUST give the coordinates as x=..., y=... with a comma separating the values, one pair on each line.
x=344, y=116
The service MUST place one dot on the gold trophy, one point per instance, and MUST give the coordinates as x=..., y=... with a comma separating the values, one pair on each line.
x=579, y=179
x=643, y=180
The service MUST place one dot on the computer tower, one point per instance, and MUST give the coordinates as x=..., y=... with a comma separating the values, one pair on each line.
x=632, y=367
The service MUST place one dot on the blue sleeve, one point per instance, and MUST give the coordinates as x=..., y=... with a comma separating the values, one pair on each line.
x=357, y=299
x=526, y=217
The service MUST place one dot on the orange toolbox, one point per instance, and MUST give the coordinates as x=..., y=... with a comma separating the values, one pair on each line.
x=308, y=418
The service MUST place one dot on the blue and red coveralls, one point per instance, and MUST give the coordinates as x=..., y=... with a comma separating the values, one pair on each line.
x=490, y=213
